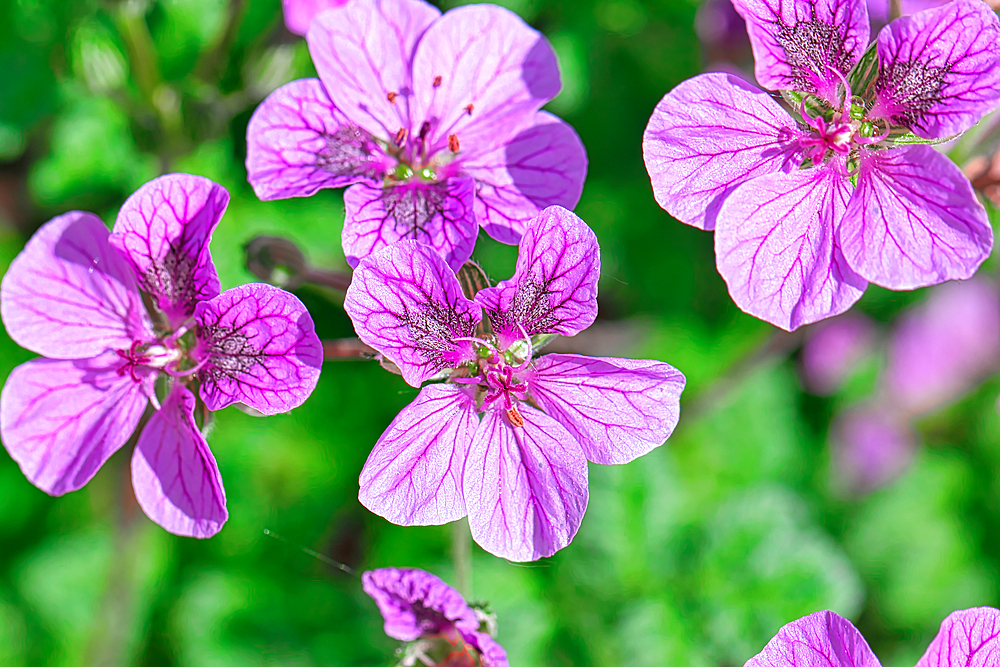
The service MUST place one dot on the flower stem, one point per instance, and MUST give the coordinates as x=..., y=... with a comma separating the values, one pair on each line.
x=346, y=348
x=461, y=556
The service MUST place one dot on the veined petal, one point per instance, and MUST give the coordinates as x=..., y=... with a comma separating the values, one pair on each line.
x=776, y=249
x=70, y=295
x=164, y=230
x=298, y=142
x=439, y=215
x=259, y=347
x=823, y=639
x=544, y=165
x=554, y=287
x=363, y=52
x=914, y=220
x=413, y=476
x=801, y=45
x=300, y=13
x=708, y=136
x=939, y=70
x=970, y=638
x=61, y=420
x=415, y=603
x=407, y=304
x=525, y=488
x=487, y=57
x=174, y=475
x=618, y=409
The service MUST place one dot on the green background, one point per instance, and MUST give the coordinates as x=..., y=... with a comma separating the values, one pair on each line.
x=692, y=556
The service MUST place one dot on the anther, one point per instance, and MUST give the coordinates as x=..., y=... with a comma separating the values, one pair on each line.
x=400, y=137
x=453, y=143
x=424, y=129
x=469, y=109
x=516, y=420
x=437, y=81
x=392, y=97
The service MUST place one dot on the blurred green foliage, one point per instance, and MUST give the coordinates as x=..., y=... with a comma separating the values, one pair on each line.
x=695, y=555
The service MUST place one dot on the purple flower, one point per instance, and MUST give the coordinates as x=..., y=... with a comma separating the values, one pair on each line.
x=300, y=13
x=833, y=349
x=808, y=209
x=968, y=638
x=943, y=346
x=78, y=296
x=432, y=120
x=419, y=607
x=506, y=438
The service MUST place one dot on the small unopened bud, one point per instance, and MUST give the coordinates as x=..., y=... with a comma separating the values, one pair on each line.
x=453, y=144
x=275, y=260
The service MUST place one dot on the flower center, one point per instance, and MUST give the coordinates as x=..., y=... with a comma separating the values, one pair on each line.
x=145, y=355
x=416, y=158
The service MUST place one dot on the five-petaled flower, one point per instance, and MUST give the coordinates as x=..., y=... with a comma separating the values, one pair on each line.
x=806, y=212
x=433, y=120
x=968, y=638
x=440, y=626
x=506, y=438
x=124, y=315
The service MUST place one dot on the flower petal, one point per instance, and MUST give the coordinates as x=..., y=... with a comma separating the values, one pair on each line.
x=776, y=249
x=708, y=136
x=939, y=70
x=618, y=409
x=525, y=488
x=544, y=165
x=261, y=349
x=164, y=230
x=801, y=45
x=821, y=639
x=298, y=142
x=70, y=295
x=439, y=215
x=488, y=57
x=491, y=654
x=406, y=303
x=61, y=420
x=416, y=603
x=970, y=638
x=914, y=220
x=413, y=476
x=363, y=53
x=554, y=287
x=300, y=13
x=174, y=475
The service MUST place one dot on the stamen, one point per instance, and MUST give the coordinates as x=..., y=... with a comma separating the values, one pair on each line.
x=392, y=97
x=424, y=129
x=400, y=137
x=516, y=420
x=437, y=81
x=453, y=144
x=469, y=108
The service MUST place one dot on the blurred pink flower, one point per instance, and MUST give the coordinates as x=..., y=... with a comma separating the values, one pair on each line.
x=833, y=349
x=872, y=446
x=943, y=346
